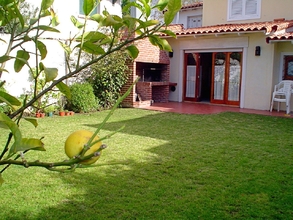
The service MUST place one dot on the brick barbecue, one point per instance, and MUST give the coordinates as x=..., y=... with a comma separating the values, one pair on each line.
x=152, y=66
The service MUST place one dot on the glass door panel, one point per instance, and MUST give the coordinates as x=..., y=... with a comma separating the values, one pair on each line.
x=219, y=76
x=234, y=76
x=190, y=81
x=191, y=77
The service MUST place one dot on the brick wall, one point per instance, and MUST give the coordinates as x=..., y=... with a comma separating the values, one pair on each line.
x=149, y=56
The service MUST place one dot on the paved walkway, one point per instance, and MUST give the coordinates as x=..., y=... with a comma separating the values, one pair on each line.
x=207, y=108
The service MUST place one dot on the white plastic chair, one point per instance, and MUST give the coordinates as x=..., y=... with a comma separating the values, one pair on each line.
x=282, y=93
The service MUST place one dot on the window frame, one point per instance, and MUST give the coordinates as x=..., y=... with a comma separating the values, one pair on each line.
x=196, y=17
x=286, y=60
x=243, y=16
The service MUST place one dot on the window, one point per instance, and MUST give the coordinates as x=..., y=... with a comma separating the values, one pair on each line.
x=243, y=9
x=96, y=11
x=194, y=21
x=288, y=67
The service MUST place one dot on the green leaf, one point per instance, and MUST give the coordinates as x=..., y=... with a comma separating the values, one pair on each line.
x=12, y=13
x=147, y=8
x=127, y=8
x=130, y=22
x=41, y=66
x=21, y=59
x=76, y=23
x=162, y=5
x=18, y=15
x=93, y=36
x=5, y=58
x=42, y=48
x=54, y=19
x=45, y=13
x=33, y=121
x=30, y=144
x=109, y=21
x=132, y=51
x=5, y=121
x=46, y=4
x=46, y=28
x=92, y=48
x=50, y=74
x=168, y=32
x=64, y=89
x=66, y=48
x=173, y=7
x=97, y=17
x=161, y=43
x=148, y=23
x=4, y=70
x=88, y=6
x=33, y=21
x=9, y=99
x=26, y=38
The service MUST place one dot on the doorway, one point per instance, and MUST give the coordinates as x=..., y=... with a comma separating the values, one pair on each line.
x=212, y=77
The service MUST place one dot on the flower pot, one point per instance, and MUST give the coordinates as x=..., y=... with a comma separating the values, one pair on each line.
x=61, y=113
x=67, y=113
x=71, y=113
x=50, y=114
x=38, y=115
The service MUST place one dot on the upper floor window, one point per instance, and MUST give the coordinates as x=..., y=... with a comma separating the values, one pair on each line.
x=96, y=10
x=194, y=21
x=243, y=9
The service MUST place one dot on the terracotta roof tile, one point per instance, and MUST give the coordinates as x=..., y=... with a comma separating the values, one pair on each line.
x=193, y=5
x=270, y=27
x=280, y=37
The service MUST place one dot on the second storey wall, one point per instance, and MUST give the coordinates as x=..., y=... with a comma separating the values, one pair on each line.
x=215, y=12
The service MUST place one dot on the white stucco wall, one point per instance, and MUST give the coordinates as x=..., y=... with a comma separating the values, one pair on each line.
x=215, y=12
x=17, y=83
x=182, y=16
x=259, y=73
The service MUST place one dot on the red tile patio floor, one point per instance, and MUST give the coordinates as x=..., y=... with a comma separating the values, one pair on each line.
x=207, y=108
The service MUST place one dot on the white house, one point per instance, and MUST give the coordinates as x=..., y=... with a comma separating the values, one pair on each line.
x=231, y=52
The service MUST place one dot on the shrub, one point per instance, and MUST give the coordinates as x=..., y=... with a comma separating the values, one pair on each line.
x=82, y=98
x=108, y=77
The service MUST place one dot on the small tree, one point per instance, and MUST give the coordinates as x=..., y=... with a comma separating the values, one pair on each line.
x=113, y=34
x=108, y=77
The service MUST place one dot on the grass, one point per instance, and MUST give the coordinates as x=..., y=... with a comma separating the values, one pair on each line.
x=160, y=166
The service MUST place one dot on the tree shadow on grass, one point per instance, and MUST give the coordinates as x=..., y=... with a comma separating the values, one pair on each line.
x=193, y=174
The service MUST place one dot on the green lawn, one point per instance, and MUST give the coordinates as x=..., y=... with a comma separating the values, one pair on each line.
x=160, y=166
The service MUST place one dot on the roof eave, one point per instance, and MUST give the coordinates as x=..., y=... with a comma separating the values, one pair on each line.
x=216, y=34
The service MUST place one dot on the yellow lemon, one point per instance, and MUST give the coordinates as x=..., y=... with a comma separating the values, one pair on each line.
x=75, y=142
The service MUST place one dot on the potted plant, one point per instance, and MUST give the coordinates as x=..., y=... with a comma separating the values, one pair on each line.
x=40, y=114
x=50, y=110
x=67, y=113
x=61, y=111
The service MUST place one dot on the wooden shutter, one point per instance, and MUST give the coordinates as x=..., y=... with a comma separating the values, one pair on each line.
x=236, y=8
x=250, y=7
